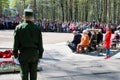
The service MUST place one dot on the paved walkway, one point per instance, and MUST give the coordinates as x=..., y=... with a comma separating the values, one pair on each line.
x=59, y=63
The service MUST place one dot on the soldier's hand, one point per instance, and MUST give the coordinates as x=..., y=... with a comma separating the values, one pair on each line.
x=39, y=60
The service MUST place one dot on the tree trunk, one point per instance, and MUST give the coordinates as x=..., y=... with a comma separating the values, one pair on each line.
x=93, y=10
x=0, y=8
x=62, y=8
x=54, y=15
x=114, y=11
x=82, y=11
x=42, y=15
x=105, y=11
x=70, y=10
x=110, y=11
x=101, y=11
x=35, y=10
x=67, y=10
x=24, y=3
x=76, y=10
x=118, y=12
x=98, y=11
x=86, y=11
x=51, y=10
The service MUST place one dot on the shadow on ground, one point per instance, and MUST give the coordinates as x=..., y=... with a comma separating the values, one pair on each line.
x=100, y=53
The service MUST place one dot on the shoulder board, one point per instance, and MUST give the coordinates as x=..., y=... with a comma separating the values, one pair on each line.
x=22, y=25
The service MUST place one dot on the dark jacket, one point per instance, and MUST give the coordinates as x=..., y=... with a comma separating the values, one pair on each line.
x=77, y=39
x=28, y=40
x=99, y=37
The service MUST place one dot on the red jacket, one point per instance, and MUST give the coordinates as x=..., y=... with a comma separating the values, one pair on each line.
x=107, y=39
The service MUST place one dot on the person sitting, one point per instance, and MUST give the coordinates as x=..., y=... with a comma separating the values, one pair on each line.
x=115, y=40
x=93, y=41
x=99, y=37
x=84, y=41
x=76, y=39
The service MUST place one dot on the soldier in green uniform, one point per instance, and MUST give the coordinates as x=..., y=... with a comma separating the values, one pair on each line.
x=28, y=46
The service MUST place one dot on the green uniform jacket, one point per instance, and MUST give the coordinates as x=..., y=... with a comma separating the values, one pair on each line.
x=28, y=43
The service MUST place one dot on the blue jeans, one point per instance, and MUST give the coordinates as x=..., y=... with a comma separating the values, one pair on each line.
x=107, y=51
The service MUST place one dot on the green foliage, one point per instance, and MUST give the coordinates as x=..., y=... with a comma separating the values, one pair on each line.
x=5, y=4
x=13, y=3
x=83, y=10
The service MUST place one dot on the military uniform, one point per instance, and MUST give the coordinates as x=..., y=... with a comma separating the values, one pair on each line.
x=28, y=47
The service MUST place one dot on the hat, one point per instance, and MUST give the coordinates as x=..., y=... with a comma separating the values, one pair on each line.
x=85, y=31
x=28, y=12
x=74, y=32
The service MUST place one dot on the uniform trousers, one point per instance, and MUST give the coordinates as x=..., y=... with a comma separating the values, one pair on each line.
x=28, y=70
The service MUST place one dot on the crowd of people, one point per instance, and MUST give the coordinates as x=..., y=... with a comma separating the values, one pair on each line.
x=94, y=38
x=5, y=25
x=59, y=26
x=89, y=37
x=69, y=26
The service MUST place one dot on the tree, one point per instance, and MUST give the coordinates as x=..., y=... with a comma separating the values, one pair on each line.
x=0, y=8
x=118, y=14
x=71, y=10
x=13, y=4
x=20, y=7
x=62, y=9
x=3, y=4
x=83, y=10
x=76, y=9
x=35, y=10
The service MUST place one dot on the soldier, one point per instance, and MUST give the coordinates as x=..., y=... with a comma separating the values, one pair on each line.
x=28, y=46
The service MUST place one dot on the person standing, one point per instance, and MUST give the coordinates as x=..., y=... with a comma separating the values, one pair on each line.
x=28, y=46
x=106, y=41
